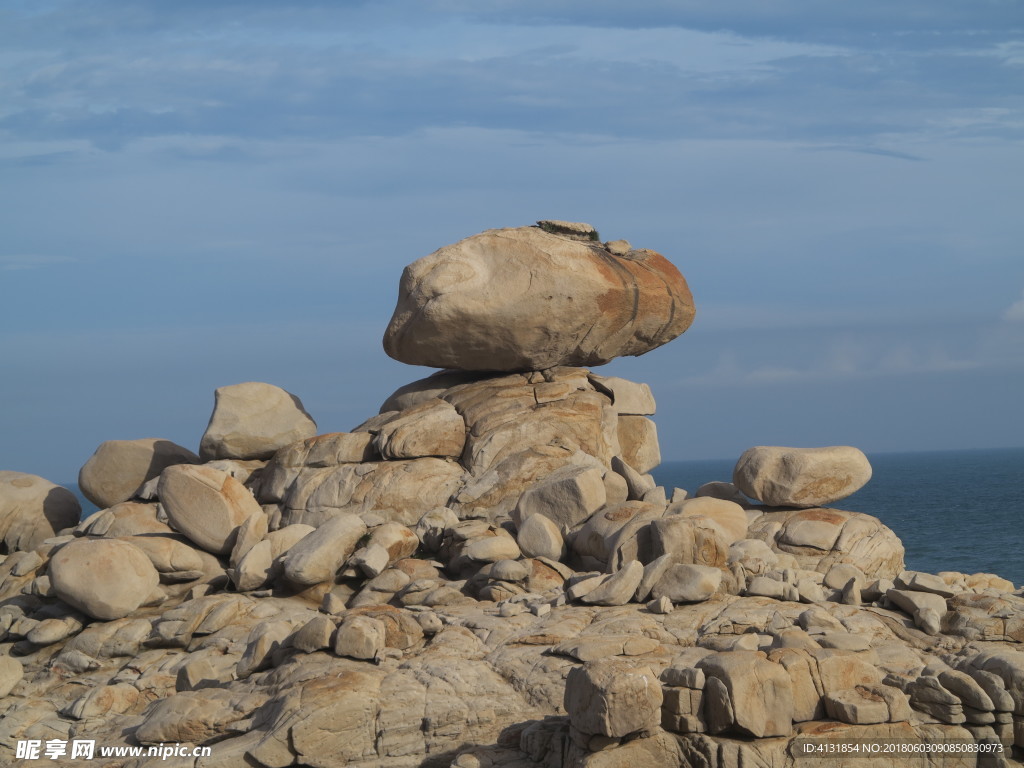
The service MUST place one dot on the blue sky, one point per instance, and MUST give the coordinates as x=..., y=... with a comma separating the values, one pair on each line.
x=195, y=194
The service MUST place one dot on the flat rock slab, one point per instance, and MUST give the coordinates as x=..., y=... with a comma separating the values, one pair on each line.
x=801, y=477
x=528, y=299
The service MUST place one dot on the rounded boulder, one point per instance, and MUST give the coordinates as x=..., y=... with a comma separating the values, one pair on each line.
x=33, y=509
x=206, y=505
x=801, y=477
x=252, y=420
x=104, y=578
x=118, y=468
x=531, y=298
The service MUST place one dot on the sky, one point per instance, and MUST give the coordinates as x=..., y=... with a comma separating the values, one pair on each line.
x=195, y=194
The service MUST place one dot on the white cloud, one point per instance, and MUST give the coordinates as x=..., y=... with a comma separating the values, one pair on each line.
x=1015, y=313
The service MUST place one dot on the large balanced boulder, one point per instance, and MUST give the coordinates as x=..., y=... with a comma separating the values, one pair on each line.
x=118, y=467
x=33, y=509
x=206, y=505
x=252, y=420
x=801, y=477
x=104, y=578
x=531, y=298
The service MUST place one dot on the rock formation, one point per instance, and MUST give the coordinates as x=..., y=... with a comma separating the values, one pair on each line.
x=486, y=574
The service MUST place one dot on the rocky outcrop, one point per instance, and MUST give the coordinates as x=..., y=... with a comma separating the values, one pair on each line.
x=484, y=573
x=531, y=298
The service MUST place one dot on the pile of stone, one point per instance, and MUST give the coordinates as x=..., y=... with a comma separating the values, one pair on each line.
x=486, y=572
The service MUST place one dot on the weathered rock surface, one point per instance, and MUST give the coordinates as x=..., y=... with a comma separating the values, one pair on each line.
x=118, y=468
x=33, y=509
x=252, y=420
x=206, y=505
x=801, y=477
x=107, y=579
x=530, y=299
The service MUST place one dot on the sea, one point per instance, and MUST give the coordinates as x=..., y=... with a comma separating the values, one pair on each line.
x=953, y=510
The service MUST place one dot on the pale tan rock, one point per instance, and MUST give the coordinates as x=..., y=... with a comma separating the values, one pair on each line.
x=318, y=556
x=252, y=420
x=360, y=637
x=526, y=299
x=206, y=505
x=172, y=554
x=250, y=533
x=612, y=698
x=104, y=578
x=617, y=589
x=433, y=386
x=691, y=539
x=315, y=635
x=115, y=472
x=567, y=497
x=396, y=539
x=760, y=692
x=11, y=673
x=431, y=428
x=857, y=706
x=194, y=716
x=638, y=439
x=686, y=583
x=925, y=608
x=128, y=518
x=539, y=537
x=801, y=477
x=629, y=398
x=489, y=549
x=820, y=538
x=430, y=528
x=399, y=490
x=728, y=515
x=33, y=509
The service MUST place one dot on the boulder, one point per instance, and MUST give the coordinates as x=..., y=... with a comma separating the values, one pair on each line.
x=33, y=509
x=206, y=505
x=801, y=477
x=685, y=583
x=760, y=693
x=539, y=537
x=608, y=697
x=318, y=556
x=430, y=428
x=638, y=438
x=253, y=420
x=567, y=497
x=820, y=538
x=531, y=298
x=104, y=578
x=118, y=468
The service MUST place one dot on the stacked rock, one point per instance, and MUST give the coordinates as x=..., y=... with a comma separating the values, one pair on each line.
x=486, y=572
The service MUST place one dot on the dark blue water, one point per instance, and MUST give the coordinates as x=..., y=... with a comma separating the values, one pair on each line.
x=953, y=510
